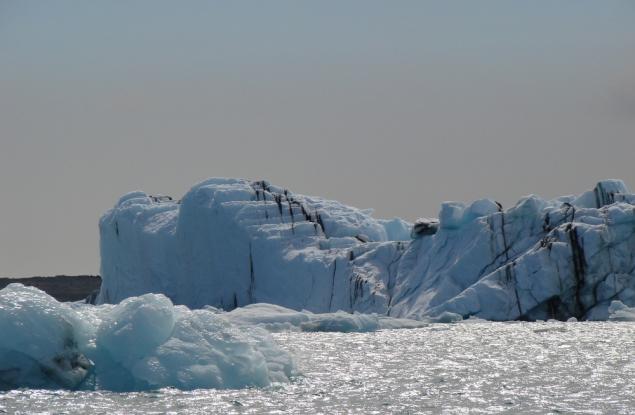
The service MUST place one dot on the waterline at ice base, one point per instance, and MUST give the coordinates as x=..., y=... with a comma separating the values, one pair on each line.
x=197, y=293
x=146, y=342
x=232, y=242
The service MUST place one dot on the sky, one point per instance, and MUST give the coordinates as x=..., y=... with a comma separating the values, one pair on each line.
x=391, y=105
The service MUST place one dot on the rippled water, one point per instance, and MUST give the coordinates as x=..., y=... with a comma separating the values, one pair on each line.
x=453, y=368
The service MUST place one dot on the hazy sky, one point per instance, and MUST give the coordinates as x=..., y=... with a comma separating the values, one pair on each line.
x=395, y=105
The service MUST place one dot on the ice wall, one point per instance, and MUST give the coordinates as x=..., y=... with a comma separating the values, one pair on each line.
x=233, y=242
x=569, y=257
x=147, y=343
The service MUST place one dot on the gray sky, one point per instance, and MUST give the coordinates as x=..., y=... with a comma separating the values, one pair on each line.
x=391, y=105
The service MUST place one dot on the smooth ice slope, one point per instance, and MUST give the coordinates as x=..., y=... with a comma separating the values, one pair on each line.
x=142, y=343
x=231, y=242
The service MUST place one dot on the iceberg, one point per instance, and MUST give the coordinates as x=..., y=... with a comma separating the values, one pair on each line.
x=141, y=343
x=232, y=242
x=276, y=318
x=146, y=342
x=39, y=346
x=229, y=243
x=618, y=311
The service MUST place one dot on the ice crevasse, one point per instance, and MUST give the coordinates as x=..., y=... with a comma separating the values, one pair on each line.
x=232, y=242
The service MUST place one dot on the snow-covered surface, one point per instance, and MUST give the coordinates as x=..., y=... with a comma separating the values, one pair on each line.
x=232, y=242
x=142, y=343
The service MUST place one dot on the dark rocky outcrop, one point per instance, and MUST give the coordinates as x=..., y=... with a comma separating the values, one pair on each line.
x=60, y=287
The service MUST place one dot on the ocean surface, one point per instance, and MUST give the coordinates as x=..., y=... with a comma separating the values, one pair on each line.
x=469, y=367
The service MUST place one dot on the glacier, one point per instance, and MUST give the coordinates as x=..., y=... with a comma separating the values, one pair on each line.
x=229, y=243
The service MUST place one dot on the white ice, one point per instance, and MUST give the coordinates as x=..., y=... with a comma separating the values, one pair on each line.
x=232, y=242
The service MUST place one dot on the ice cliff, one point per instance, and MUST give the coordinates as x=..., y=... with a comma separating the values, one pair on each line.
x=232, y=242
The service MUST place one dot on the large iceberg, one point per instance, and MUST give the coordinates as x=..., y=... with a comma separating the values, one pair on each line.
x=232, y=242
x=142, y=343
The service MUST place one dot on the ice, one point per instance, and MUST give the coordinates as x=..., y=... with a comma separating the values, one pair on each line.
x=397, y=229
x=451, y=215
x=276, y=318
x=146, y=342
x=474, y=367
x=38, y=346
x=342, y=322
x=537, y=260
x=233, y=242
x=620, y=312
x=135, y=327
x=142, y=343
x=269, y=316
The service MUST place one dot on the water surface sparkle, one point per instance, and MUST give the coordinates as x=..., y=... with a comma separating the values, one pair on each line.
x=444, y=368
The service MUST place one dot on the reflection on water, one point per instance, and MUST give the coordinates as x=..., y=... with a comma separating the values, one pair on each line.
x=481, y=367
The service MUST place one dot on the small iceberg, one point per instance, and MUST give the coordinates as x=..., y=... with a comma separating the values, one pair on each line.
x=146, y=342
x=277, y=318
x=618, y=311
x=141, y=343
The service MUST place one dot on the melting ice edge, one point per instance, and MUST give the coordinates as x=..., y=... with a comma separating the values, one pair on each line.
x=231, y=243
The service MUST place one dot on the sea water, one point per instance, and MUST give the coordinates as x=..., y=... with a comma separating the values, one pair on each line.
x=475, y=367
